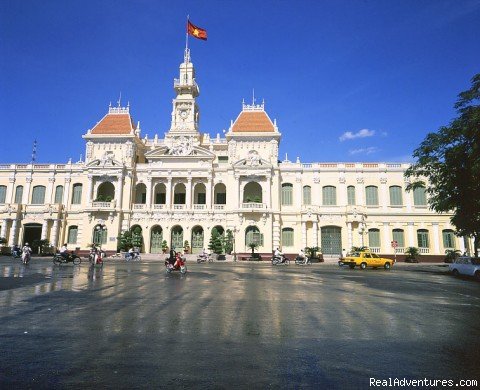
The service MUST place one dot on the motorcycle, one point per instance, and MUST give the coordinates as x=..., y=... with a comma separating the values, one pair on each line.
x=71, y=258
x=280, y=260
x=178, y=265
x=204, y=258
x=134, y=256
x=26, y=258
x=16, y=253
x=302, y=260
x=96, y=257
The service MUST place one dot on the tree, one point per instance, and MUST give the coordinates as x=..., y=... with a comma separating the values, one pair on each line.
x=411, y=254
x=125, y=241
x=215, y=244
x=228, y=242
x=450, y=160
x=253, y=246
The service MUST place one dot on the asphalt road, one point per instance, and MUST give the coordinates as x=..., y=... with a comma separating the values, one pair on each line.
x=233, y=325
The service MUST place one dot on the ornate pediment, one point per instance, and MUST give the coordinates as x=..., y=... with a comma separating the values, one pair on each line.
x=107, y=160
x=253, y=161
x=179, y=149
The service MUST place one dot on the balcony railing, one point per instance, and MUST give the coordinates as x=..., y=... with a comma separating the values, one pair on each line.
x=158, y=206
x=399, y=250
x=424, y=251
x=103, y=205
x=219, y=207
x=179, y=207
x=254, y=205
x=199, y=206
x=139, y=206
x=374, y=249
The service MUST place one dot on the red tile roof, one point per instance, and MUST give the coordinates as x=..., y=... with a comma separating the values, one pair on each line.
x=253, y=121
x=114, y=124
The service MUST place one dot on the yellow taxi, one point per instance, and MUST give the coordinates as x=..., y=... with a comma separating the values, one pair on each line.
x=364, y=259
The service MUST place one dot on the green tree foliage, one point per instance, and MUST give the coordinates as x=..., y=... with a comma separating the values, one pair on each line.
x=228, y=242
x=137, y=238
x=450, y=160
x=412, y=254
x=215, y=244
x=125, y=241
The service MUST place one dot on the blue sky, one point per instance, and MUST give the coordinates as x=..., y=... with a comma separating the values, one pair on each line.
x=346, y=80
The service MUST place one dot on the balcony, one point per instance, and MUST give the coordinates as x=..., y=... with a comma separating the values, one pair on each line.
x=199, y=206
x=253, y=206
x=179, y=207
x=139, y=206
x=219, y=207
x=102, y=206
x=159, y=206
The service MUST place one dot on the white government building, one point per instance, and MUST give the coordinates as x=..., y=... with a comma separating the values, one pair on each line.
x=180, y=187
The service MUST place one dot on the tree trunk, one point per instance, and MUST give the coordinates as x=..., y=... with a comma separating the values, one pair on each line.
x=476, y=244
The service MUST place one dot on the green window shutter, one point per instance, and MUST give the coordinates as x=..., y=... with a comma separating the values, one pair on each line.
x=287, y=237
x=72, y=234
x=58, y=194
x=287, y=198
x=18, y=194
x=201, y=198
x=351, y=195
x=3, y=194
x=307, y=195
x=422, y=236
x=448, y=239
x=419, y=196
x=329, y=194
x=38, y=195
x=398, y=235
x=396, y=196
x=77, y=194
x=374, y=237
x=221, y=198
x=371, y=193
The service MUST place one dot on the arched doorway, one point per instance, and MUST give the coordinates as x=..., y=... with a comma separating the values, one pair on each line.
x=32, y=232
x=197, y=239
x=156, y=239
x=105, y=192
x=331, y=240
x=252, y=192
x=253, y=235
x=176, y=242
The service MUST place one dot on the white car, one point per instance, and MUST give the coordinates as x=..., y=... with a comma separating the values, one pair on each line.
x=465, y=265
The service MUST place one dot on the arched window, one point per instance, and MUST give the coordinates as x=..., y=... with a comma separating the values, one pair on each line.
x=160, y=195
x=105, y=192
x=253, y=235
x=287, y=237
x=398, y=235
x=448, y=239
x=58, y=194
x=38, y=195
x=220, y=194
x=252, y=193
x=374, y=238
x=199, y=194
x=419, y=196
x=3, y=194
x=351, y=196
x=140, y=193
x=77, y=193
x=287, y=194
x=329, y=196
x=72, y=235
x=18, y=194
x=422, y=236
x=396, y=196
x=180, y=194
x=307, y=195
x=371, y=195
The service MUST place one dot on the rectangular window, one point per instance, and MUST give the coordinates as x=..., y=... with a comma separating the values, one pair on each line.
x=374, y=238
x=422, y=236
x=399, y=237
x=3, y=194
x=419, y=197
x=287, y=237
x=77, y=194
x=58, y=194
x=221, y=198
x=371, y=193
x=179, y=199
x=202, y=198
x=351, y=195
x=396, y=196
x=38, y=195
x=222, y=159
x=287, y=190
x=72, y=235
x=329, y=196
x=307, y=195
x=448, y=239
x=18, y=194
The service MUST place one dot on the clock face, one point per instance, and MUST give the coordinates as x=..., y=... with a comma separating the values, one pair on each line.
x=183, y=114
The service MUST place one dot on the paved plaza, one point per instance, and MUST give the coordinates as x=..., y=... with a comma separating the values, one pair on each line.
x=233, y=325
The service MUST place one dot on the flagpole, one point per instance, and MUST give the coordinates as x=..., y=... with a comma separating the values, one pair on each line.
x=186, y=34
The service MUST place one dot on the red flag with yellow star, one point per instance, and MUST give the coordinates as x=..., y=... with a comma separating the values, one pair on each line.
x=196, y=32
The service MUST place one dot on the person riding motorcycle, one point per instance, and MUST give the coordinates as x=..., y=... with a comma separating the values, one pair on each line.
x=64, y=252
x=279, y=255
x=16, y=250
x=178, y=260
x=301, y=256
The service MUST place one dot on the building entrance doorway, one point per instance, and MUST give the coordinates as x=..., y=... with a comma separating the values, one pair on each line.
x=177, y=238
x=156, y=239
x=331, y=240
x=32, y=233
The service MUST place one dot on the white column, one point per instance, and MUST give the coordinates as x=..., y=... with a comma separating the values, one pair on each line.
x=268, y=195
x=208, y=193
x=120, y=192
x=315, y=233
x=11, y=185
x=349, y=235
x=436, y=238
x=239, y=193
x=54, y=236
x=13, y=233
x=26, y=191
x=66, y=195
x=89, y=189
x=304, y=234
x=168, y=196
x=49, y=195
x=148, y=200
x=408, y=199
x=387, y=245
x=44, y=229
x=3, y=232
x=461, y=244
x=411, y=234
x=188, y=194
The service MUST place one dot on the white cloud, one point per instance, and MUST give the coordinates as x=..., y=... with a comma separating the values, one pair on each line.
x=369, y=150
x=359, y=134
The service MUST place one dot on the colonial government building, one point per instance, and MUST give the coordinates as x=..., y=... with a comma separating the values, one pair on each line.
x=181, y=186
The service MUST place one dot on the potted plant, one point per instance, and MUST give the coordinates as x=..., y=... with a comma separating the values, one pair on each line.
x=164, y=246
x=254, y=256
x=451, y=255
x=186, y=246
x=412, y=254
x=311, y=252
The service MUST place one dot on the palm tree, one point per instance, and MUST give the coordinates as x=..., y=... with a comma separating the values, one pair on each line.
x=451, y=255
x=252, y=246
x=412, y=254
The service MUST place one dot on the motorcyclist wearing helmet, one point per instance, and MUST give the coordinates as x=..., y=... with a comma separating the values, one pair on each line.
x=26, y=251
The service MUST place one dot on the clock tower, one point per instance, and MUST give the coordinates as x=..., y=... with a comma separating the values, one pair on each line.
x=185, y=113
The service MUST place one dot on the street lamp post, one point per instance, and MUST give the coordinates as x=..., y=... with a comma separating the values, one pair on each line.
x=234, y=249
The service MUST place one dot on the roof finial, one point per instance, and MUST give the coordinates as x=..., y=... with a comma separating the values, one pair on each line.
x=119, y=99
x=34, y=151
x=253, y=97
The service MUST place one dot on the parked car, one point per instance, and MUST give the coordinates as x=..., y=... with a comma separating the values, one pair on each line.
x=466, y=265
x=365, y=259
